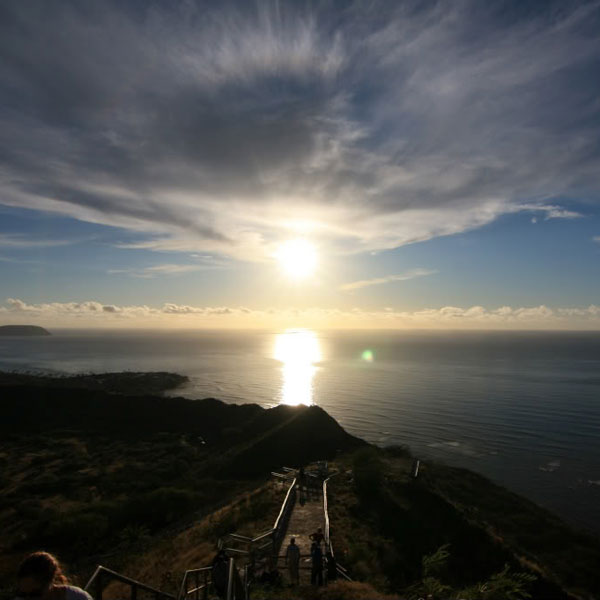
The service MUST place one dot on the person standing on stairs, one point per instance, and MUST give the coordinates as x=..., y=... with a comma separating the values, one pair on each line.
x=292, y=560
x=316, y=574
x=220, y=573
x=317, y=536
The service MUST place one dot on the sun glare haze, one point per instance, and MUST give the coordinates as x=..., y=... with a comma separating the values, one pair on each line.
x=298, y=350
x=298, y=258
x=244, y=241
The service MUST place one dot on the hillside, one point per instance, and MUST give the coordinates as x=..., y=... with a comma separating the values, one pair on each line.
x=389, y=529
x=128, y=383
x=128, y=480
x=83, y=472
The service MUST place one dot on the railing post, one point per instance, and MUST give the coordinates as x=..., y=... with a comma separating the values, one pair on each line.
x=99, y=586
x=133, y=592
x=230, y=586
x=196, y=580
x=205, y=585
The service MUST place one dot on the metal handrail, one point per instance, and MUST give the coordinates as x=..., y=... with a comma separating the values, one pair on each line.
x=258, y=538
x=283, y=517
x=100, y=575
x=230, y=582
x=339, y=569
x=237, y=536
x=183, y=590
x=284, y=506
x=326, y=513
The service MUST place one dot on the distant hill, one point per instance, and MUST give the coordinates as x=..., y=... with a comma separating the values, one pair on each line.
x=246, y=439
x=23, y=330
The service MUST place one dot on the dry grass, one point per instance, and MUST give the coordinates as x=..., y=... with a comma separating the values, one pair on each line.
x=352, y=590
x=340, y=590
x=163, y=564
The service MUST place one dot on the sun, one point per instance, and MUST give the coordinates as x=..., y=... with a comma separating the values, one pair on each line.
x=298, y=258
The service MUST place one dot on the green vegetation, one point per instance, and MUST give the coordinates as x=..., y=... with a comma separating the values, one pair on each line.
x=434, y=535
x=94, y=476
x=116, y=383
x=539, y=538
x=161, y=560
x=82, y=496
x=146, y=485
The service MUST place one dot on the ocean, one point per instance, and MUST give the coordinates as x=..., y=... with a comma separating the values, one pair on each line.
x=520, y=408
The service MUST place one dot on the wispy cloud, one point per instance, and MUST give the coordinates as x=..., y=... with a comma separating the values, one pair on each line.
x=356, y=285
x=24, y=242
x=216, y=127
x=157, y=270
x=550, y=211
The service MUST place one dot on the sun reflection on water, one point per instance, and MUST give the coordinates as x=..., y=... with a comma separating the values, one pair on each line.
x=298, y=350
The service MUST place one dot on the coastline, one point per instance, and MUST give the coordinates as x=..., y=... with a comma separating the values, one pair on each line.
x=242, y=442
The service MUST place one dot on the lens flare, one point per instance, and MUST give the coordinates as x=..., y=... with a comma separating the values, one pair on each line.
x=368, y=356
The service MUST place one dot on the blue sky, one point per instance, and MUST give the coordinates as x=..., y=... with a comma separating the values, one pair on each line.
x=441, y=157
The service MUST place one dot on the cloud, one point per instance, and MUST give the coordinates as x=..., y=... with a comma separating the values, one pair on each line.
x=172, y=315
x=355, y=285
x=596, y=239
x=111, y=309
x=550, y=211
x=164, y=269
x=22, y=242
x=217, y=128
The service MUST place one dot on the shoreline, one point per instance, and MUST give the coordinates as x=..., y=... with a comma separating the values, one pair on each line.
x=153, y=382
x=167, y=385
x=235, y=442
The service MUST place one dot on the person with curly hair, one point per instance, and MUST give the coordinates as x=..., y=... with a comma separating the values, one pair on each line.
x=40, y=575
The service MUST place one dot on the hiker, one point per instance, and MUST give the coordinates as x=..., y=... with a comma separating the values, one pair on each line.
x=220, y=573
x=331, y=567
x=316, y=573
x=40, y=575
x=292, y=560
x=301, y=477
x=317, y=536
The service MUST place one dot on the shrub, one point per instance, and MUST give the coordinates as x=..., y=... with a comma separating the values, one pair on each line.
x=368, y=473
x=79, y=530
x=398, y=451
x=29, y=508
x=158, y=508
x=47, y=483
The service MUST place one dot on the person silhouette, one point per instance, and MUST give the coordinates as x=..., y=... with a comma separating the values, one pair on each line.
x=40, y=575
x=292, y=560
x=220, y=573
x=317, y=536
x=316, y=573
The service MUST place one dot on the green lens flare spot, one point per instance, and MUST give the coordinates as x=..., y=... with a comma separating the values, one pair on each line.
x=368, y=356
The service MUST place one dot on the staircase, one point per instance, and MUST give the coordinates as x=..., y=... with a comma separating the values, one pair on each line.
x=303, y=510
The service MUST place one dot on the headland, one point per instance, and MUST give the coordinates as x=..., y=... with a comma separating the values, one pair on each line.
x=146, y=484
x=23, y=330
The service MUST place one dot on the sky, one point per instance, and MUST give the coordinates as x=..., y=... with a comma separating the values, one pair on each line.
x=439, y=162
